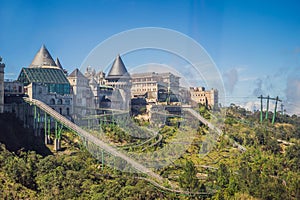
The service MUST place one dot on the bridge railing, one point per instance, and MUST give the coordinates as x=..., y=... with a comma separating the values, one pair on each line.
x=89, y=138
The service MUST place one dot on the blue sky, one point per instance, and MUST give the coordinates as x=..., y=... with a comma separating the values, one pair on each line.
x=255, y=44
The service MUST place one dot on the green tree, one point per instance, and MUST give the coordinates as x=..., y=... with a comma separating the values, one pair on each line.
x=204, y=111
x=293, y=183
x=293, y=156
x=22, y=169
x=272, y=145
x=188, y=179
x=223, y=175
x=233, y=186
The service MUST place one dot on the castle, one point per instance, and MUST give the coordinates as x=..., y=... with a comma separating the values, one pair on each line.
x=78, y=94
x=46, y=80
x=205, y=97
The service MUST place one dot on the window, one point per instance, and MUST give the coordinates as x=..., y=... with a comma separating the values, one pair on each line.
x=52, y=102
x=59, y=88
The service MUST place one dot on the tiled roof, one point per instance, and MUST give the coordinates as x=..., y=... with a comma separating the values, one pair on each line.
x=42, y=75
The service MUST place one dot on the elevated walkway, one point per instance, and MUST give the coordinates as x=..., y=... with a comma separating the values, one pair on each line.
x=211, y=126
x=92, y=139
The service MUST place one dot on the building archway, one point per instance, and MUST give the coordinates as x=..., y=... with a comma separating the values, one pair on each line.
x=52, y=101
x=162, y=95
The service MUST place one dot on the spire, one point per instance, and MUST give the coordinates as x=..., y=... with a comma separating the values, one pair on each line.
x=118, y=69
x=76, y=73
x=42, y=58
x=57, y=62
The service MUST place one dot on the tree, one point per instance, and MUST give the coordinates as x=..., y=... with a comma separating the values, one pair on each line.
x=293, y=182
x=232, y=188
x=272, y=145
x=22, y=169
x=188, y=179
x=293, y=154
x=204, y=111
x=223, y=175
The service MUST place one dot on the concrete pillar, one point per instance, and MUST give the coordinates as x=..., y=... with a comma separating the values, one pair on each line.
x=57, y=144
x=46, y=139
x=37, y=129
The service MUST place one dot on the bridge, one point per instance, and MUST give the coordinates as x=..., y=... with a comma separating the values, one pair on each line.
x=92, y=139
x=211, y=126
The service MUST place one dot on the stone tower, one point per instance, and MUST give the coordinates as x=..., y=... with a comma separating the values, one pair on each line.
x=119, y=78
x=43, y=59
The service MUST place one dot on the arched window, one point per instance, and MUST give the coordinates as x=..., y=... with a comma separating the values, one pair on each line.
x=68, y=111
x=59, y=101
x=60, y=111
x=52, y=101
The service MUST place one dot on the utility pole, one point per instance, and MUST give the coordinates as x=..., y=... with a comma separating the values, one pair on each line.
x=261, y=108
x=267, y=113
x=274, y=114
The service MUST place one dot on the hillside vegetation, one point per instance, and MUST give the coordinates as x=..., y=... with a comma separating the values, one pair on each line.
x=268, y=169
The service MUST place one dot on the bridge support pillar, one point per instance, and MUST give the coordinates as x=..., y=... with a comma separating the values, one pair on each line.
x=45, y=128
x=46, y=139
x=38, y=127
x=57, y=140
x=34, y=121
x=57, y=144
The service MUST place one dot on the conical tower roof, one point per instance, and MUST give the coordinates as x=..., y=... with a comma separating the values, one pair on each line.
x=118, y=69
x=76, y=73
x=57, y=62
x=42, y=58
